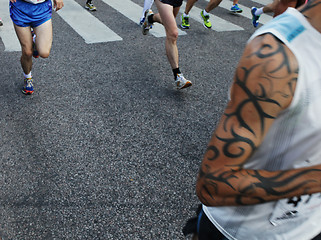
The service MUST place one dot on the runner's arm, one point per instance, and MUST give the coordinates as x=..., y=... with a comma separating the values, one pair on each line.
x=263, y=86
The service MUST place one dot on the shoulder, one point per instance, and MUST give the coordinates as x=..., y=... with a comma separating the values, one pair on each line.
x=267, y=71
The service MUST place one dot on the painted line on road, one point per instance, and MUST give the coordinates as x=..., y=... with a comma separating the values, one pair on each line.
x=7, y=32
x=85, y=24
x=263, y=2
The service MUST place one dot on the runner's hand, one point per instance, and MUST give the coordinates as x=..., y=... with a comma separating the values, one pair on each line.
x=58, y=4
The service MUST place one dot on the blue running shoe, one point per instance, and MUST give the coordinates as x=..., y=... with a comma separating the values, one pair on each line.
x=28, y=87
x=236, y=9
x=142, y=20
x=255, y=18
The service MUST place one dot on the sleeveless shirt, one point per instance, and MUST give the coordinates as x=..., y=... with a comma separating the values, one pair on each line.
x=293, y=141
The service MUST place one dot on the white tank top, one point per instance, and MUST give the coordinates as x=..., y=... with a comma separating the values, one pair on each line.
x=293, y=141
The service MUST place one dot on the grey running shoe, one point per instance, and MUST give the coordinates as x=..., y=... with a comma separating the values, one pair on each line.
x=181, y=82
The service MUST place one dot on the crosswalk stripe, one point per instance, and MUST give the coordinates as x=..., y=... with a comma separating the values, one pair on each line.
x=219, y=24
x=263, y=2
x=93, y=30
x=133, y=12
x=226, y=4
x=85, y=24
x=7, y=32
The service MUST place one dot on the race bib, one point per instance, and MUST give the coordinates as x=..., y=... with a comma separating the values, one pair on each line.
x=295, y=208
x=35, y=1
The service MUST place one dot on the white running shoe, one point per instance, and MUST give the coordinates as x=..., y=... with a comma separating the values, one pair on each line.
x=146, y=25
x=182, y=82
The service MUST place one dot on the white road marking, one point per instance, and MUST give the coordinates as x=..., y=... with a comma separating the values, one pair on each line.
x=85, y=24
x=7, y=32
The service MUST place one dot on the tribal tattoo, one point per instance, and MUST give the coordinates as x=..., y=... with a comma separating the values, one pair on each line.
x=264, y=85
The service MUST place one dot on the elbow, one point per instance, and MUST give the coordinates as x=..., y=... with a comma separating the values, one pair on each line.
x=207, y=198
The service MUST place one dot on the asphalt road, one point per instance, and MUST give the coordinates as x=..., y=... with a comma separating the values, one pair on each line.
x=107, y=148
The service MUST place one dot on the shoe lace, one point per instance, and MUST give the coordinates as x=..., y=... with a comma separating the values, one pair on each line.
x=28, y=82
x=180, y=78
x=186, y=20
x=206, y=18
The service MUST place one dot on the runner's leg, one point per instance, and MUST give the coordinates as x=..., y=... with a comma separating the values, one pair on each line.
x=25, y=39
x=44, y=38
x=189, y=5
x=212, y=4
x=167, y=16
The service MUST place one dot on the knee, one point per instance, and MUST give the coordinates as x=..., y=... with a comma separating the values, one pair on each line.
x=172, y=35
x=27, y=53
x=44, y=54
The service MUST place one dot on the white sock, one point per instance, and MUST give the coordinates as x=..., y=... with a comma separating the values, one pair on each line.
x=27, y=75
x=259, y=11
x=147, y=5
x=185, y=15
x=205, y=13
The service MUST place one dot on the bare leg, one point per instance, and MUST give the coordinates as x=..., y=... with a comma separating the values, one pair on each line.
x=212, y=4
x=189, y=5
x=167, y=15
x=25, y=38
x=44, y=38
x=43, y=43
x=270, y=7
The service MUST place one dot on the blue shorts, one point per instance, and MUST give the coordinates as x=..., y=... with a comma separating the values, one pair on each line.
x=25, y=14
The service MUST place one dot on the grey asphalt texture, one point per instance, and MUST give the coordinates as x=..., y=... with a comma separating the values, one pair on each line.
x=107, y=148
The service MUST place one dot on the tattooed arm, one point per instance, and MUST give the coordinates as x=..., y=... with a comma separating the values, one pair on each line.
x=263, y=86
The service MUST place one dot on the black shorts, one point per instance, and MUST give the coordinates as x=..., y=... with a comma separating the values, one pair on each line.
x=174, y=3
x=206, y=229
x=202, y=226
